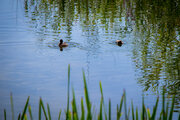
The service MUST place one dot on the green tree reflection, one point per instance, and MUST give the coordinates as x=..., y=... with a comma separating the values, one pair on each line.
x=156, y=46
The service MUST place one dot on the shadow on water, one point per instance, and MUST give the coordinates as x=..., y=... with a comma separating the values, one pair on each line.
x=155, y=26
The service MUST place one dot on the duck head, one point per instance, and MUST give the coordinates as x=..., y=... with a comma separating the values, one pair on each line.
x=119, y=42
x=61, y=41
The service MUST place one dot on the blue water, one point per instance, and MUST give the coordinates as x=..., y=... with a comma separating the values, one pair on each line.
x=31, y=63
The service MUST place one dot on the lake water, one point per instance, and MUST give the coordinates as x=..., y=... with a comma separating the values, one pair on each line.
x=31, y=63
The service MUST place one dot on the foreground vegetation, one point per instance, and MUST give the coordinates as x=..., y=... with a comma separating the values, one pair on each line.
x=86, y=111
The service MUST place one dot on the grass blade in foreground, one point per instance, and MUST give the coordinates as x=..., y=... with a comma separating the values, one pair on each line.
x=149, y=114
x=25, y=117
x=125, y=107
x=75, y=113
x=88, y=104
x=49, y=113
x=120, y=108
x=12, y=106
x=67, y=112
x=102, y=97
x=25, y=108
x=4, y=114
x=142, y=114
x=42, y=105
x=19, y=116
x=128, y=113
x=109, y=109
x=39, y=109
x=30, y=113
x=100, y=112
x=132, y=111
x=137, y=113
x=155, y=109
x=82, y=110
x=59, y=117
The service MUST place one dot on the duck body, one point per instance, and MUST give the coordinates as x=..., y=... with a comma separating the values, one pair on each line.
x=62, y=44
x=119, y=42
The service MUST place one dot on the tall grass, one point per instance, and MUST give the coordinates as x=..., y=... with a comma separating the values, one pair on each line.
x=74, y=113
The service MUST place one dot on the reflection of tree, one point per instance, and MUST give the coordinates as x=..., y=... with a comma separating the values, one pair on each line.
x=59, y=15
x=156, y=45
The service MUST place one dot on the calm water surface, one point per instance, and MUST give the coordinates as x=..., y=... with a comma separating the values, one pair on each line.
x=33, y=65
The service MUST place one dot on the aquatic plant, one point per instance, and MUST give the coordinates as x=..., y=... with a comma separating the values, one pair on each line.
x=143, y=114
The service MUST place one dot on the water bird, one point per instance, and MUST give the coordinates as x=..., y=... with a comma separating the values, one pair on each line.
x=119, y=42
x=62, y=44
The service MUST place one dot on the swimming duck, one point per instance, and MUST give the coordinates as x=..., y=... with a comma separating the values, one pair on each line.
x=61, y=44
x=119, y=42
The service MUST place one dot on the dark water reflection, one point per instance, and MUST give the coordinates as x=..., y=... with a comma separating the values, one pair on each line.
x=148, y=60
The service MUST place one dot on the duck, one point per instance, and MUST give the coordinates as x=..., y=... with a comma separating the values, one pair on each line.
x=62, y=44
x=119, y=42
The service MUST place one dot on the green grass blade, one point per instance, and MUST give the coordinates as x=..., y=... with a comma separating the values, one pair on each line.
x=30, y=113
x=137, y=113
x=120, y=108
x=160, y=115
x=179, y=116
x=59, y=117
x=105, y=113
x=133, y=117
x=149, y=114
x=67, y=112
x=49, y=112
x=88, y=104
x=82, y=110
x=145, y=113
x=25, y=117
x=100, y=117
x=117, y=112
x=172, y=108
x=142, y=115
x=75, y=116
x=121, y=104
x=109, y=109
x=70, y=116
x=19, y=116
x=100, y=85
x=125, y=107
x=4, y=114
x=40, y=109
x=74, y=107
x=25, y=108
x=12, y=106
x=43, y=108
x=128, y=114
x=155, y=109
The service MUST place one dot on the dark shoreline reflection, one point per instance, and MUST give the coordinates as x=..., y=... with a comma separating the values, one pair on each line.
x=154, y=24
